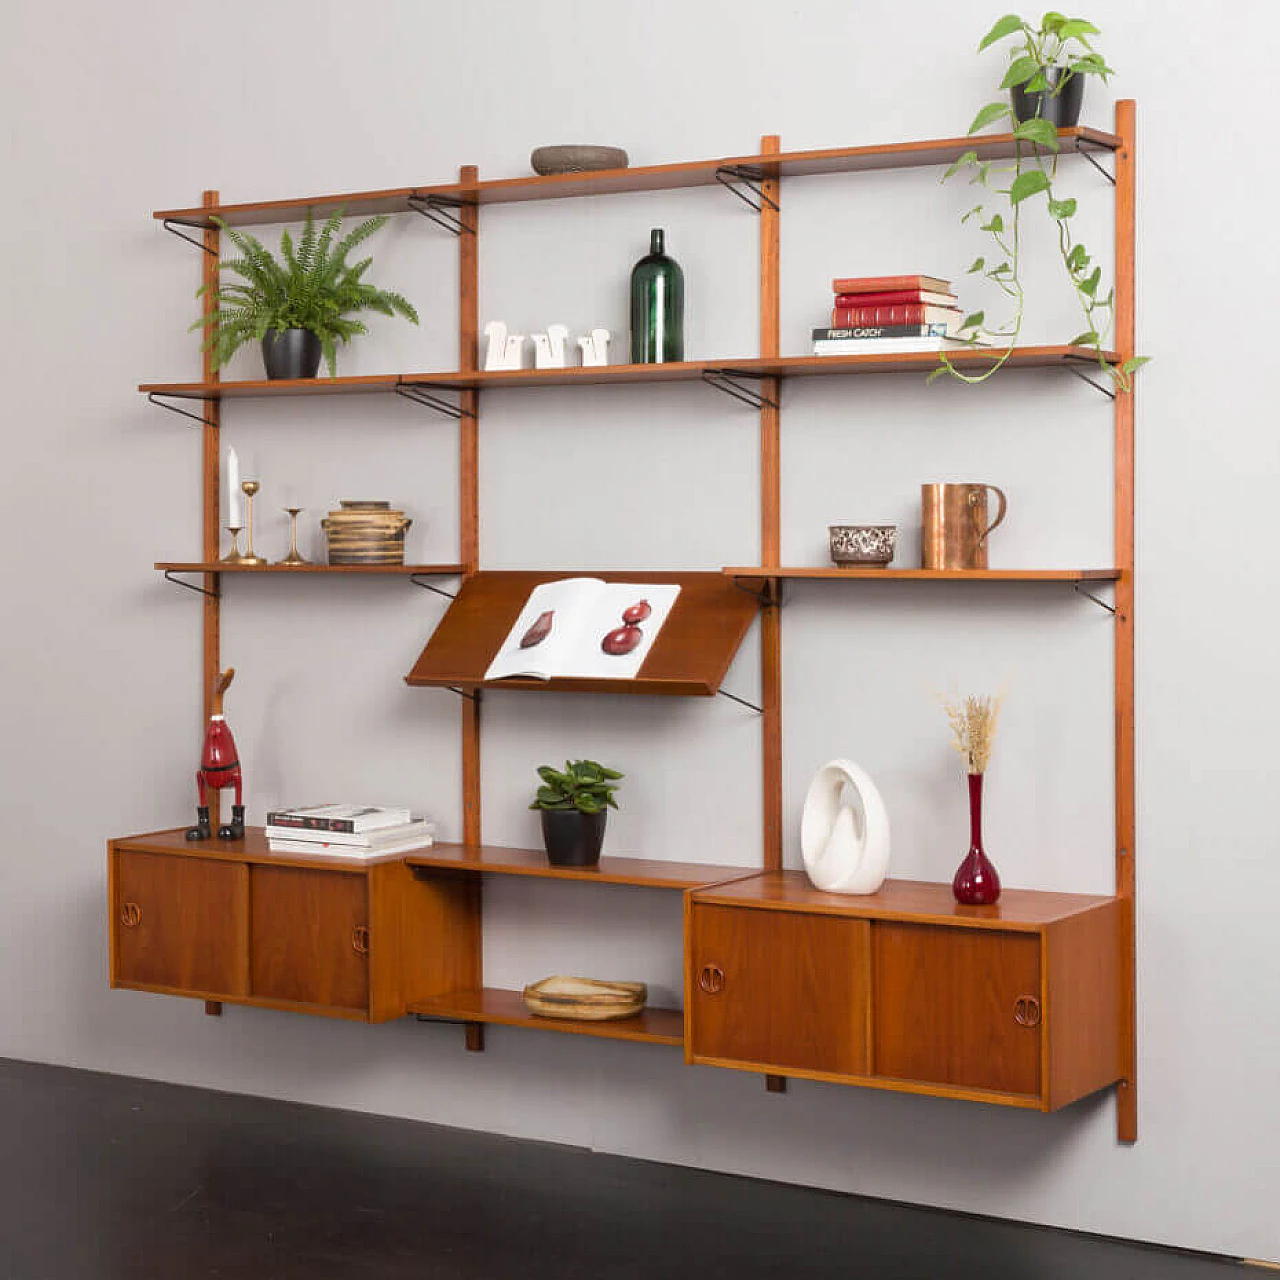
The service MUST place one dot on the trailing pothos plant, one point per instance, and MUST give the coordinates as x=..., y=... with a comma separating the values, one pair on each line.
x=1062, y=43
x=311, y=286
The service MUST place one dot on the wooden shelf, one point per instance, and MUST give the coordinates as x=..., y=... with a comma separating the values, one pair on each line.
x=689, y=659
x=760, y=572
x=252, y=850
x=912, y=901
x=507, y=1008
x=218, y=566
x=646, y=873
x=659, y=177
x=1032, y=357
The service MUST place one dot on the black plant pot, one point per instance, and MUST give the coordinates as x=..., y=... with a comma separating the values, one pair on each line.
x=291, y=353
x=1062, y=109
x=573, y=839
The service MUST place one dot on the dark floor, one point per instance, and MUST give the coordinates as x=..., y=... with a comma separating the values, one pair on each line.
x=107, y=1178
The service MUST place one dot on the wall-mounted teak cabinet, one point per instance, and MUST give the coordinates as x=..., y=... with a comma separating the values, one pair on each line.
x=1018, y=1003
x=230, y=921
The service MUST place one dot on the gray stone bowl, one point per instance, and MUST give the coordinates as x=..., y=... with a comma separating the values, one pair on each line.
x=576, y=159
x=868, y=545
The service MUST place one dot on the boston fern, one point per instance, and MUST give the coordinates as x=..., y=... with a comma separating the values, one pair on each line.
x=311, y=286
x=584, y=785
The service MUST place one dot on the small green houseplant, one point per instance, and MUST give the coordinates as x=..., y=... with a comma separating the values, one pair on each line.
x=1043, y=67
x=574, y=804
x=299, y=306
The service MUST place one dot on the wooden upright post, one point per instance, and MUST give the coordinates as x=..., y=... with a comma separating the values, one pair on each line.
x=1126, y=822
x=211, y=494
x=469, y=479
x=771, y=516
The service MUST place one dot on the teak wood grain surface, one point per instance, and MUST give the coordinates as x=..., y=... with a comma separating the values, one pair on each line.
x=689, y=658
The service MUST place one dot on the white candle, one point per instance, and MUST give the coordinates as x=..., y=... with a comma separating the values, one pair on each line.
x=234, y=520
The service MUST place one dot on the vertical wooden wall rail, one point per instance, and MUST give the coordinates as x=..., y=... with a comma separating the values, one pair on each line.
x=771, y=531
x=469, y=527
x=469, y=478
x=1126, y=819
x=771, y=516
x=211, y=495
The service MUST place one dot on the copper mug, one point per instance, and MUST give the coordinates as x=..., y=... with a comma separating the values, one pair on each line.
x=954, y=524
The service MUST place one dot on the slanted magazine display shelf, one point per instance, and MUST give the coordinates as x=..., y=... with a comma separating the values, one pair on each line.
x=231, y=921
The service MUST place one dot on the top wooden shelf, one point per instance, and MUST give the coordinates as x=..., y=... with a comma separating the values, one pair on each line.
x=658, y=177
x=252, y=849
x=1030, y=357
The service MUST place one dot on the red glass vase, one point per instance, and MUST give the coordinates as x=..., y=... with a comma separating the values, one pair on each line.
x=976, y=883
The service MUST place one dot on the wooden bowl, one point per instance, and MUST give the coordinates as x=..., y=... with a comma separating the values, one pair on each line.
x=585, y=999
x=576, y=159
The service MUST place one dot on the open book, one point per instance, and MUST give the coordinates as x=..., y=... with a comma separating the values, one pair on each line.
x=585, y=627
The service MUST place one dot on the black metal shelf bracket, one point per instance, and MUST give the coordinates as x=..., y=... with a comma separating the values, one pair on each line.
x=1093, y=382
x=417, y=580
x=733, y=697
x=768, y=596
x=732, y=382
x=170, y=576
x=736, y=176
x=439, y=210
x=1088, y=595
x=421, y=393
x=172, y=224
x=473, y=696
x=1088, y=155
x=154, y=398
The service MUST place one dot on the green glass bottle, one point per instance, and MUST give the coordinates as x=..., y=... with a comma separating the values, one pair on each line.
x=657, y=306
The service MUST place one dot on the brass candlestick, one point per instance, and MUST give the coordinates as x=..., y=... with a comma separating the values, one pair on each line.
x=250, y=487
x=233, y=556
x=293, y=557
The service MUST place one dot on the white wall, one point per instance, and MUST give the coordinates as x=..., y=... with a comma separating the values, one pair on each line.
x=116, y=110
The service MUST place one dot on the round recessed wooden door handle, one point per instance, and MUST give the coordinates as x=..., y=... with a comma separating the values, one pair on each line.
x=360, y=940
x=711, y=979
x=131, y=915
x=1026, y=1011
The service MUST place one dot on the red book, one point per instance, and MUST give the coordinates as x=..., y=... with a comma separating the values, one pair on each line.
x=906, y=313
x=895, y=297
x=885, y=284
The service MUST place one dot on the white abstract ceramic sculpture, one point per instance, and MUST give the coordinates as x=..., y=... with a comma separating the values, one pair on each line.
x=505, y=350
x=549, y=347
x=595, y=348
x=844, y=831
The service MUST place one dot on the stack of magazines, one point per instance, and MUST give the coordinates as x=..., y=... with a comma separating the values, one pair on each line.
x=347, y=830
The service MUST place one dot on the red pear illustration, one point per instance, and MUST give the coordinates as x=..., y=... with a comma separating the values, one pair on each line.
x=540, y=630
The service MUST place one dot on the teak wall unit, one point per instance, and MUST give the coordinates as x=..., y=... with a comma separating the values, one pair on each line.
x=859, y=990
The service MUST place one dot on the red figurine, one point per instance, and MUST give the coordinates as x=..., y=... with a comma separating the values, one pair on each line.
x=219, y=768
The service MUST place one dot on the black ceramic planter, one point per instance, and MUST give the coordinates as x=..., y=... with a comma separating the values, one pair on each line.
x=573, y=839
x=291, y=353
x=1062, y=110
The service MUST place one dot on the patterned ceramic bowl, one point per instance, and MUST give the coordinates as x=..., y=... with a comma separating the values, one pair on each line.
x=869, y=545
x=576, y=159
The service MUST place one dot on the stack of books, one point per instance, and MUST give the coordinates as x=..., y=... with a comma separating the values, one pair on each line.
x=883, y=314
x=346, y=830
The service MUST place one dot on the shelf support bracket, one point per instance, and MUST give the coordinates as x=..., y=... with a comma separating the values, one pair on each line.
x=154, y=398
x=421, y=393
x=172, y=224
x=1088, y=595
x=734, y=176
x=769, y=596
x=731, y=382
x=439, y=210
x=1088, y=155
x=462, y=693
x=1097, y=386
x=733, y=697
x=170, y=576
x=416, y=579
